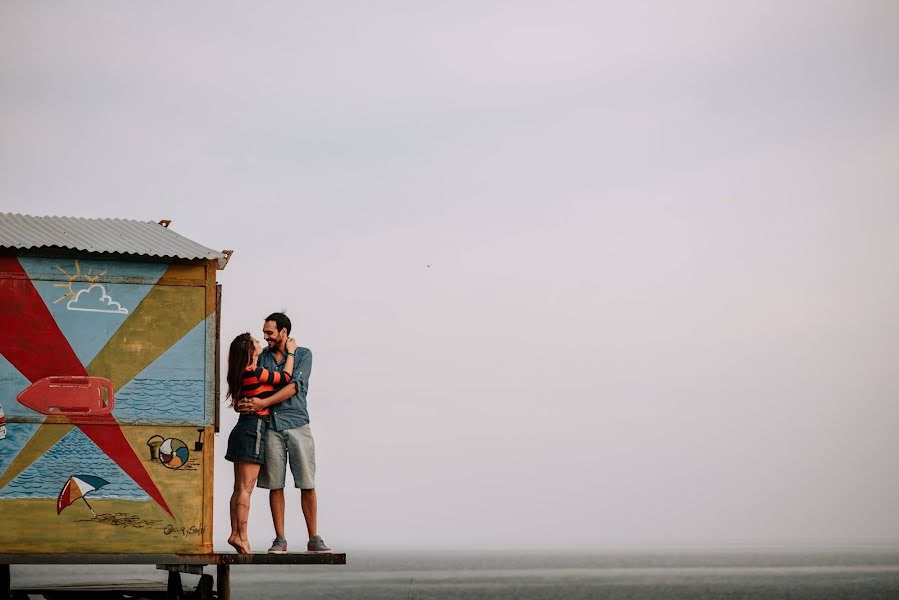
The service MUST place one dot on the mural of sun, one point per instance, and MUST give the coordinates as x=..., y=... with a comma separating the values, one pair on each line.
x=73, y=280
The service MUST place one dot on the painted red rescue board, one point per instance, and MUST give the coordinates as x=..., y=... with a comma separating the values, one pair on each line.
x=70, y=395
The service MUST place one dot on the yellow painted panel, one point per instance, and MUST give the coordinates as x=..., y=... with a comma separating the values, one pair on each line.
x=126, y=526
x=185, y=272
x=166, y=314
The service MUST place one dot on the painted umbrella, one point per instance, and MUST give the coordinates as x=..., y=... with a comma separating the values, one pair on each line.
x=77, y=487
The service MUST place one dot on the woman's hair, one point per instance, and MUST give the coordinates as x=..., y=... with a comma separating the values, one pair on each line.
x=238, y=359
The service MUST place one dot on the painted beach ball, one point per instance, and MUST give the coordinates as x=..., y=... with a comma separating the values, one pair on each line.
x=173, y=453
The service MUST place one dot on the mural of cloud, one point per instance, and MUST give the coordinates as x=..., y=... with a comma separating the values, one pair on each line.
x=95, y=299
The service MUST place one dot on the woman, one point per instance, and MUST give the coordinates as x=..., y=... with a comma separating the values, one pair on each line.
x=246, y=443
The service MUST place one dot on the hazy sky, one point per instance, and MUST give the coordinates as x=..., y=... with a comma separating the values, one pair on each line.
x=662, y=302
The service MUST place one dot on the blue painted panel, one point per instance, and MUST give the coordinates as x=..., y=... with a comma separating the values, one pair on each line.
x=11, y=383
x=171, y=387
x=74, y=454
x=17, y=435
x=88, y=308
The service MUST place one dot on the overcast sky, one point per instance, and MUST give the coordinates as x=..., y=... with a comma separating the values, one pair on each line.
x=662, y=299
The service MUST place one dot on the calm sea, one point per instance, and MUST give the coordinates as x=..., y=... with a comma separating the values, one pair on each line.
x=820, y=575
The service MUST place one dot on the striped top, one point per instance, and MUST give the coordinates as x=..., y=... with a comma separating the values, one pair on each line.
x=262, y=383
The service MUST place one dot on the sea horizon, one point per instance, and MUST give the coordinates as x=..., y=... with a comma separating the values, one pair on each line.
x=436, y=574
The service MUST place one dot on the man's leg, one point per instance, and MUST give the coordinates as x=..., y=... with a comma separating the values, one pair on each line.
x=272, y=478
x=309, y=503
x=301, y=449
x=276, y=503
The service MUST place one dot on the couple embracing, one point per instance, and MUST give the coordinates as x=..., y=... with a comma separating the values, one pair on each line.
x=268, y=386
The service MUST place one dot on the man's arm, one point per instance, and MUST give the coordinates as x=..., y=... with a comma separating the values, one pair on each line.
x=254, y=404
x=302, y=370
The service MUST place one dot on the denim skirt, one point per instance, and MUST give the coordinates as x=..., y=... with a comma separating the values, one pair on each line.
x=247, y=439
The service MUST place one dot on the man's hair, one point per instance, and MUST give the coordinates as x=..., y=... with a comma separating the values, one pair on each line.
x=281, y=321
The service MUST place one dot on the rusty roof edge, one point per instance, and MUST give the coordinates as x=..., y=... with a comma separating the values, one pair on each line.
x=223, y=262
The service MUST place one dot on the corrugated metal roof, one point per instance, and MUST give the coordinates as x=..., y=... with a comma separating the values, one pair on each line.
x=116, y=236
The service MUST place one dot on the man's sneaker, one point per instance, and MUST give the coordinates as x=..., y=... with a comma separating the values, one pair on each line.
x=279, y=546
x=317, y=545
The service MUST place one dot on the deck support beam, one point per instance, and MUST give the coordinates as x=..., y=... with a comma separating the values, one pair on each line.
x=223, y=581
x=175, y=591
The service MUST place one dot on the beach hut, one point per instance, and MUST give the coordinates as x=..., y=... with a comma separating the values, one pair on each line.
x=109, y=354
x=108, y=387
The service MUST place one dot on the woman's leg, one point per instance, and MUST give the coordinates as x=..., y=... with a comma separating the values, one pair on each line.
x=247, y=472
x=234, y=538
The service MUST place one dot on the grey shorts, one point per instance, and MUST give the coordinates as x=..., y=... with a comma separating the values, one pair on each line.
x=295, y=444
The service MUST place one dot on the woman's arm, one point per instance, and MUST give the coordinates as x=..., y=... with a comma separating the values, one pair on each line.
x=278, y=379
x=283, y=377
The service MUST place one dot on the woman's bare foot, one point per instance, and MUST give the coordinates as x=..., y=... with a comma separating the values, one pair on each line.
x=239, y=545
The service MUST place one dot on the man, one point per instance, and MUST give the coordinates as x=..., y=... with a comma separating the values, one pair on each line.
x=288, y=435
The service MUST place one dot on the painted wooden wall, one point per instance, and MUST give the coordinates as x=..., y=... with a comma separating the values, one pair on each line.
x=107, y=390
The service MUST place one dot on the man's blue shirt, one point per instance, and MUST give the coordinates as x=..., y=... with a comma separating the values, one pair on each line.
x=291, y=413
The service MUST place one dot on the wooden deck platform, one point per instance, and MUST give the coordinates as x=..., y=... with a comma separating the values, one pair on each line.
x=216, y=558
x=175, y=564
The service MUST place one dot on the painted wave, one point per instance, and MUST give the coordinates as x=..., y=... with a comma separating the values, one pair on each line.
x=75, y=454
x=161, y=399
x=17, y=435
